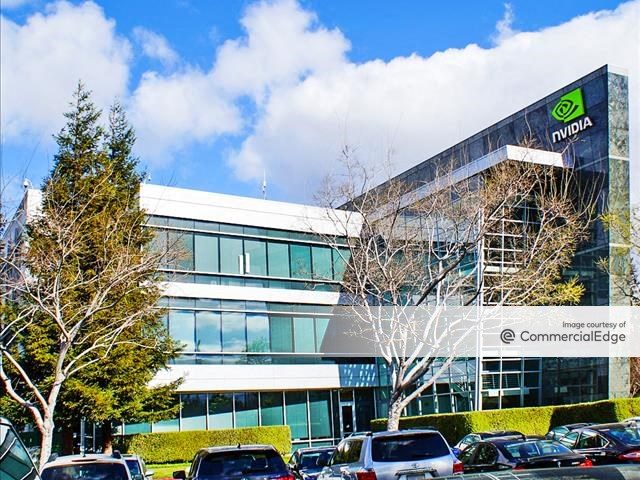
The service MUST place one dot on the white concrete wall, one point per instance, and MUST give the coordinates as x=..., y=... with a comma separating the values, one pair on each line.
x=255, y=212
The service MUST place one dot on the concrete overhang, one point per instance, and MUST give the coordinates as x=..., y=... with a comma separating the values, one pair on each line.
x=481, y=164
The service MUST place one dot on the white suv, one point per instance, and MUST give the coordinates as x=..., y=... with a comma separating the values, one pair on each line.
x=401, y=455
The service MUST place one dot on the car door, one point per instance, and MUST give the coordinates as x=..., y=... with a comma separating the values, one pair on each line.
x=486, y=459
x=596, y=447
x=467, y=457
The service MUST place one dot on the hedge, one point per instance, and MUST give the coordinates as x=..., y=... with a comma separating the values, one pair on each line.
x=528, y=420
x=176, y=447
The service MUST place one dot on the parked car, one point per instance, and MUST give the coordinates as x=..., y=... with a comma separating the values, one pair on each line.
x=242, y=462
x=86, y=467
x=606, y=443
x=476, y=437
x=306, y=463
x=137, y=468
x=557, y=433
x=505, y=454
x=15, y=461
x=391, y=456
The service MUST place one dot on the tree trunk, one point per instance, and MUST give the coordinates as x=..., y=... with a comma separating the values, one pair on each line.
x=47, y=440
x=107, y=437
x=395, y=411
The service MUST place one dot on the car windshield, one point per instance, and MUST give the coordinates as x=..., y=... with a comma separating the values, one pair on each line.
x=220, y=465
x=309, y=460
x=86, y=471
x=626, y=435
x=520, y=450
x=403, y=448
x=134, y=466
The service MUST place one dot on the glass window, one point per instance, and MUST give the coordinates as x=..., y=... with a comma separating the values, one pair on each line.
x=256, y=257
x=233, y=332
x=180, y=222
x=281, y=334
x=340, y=256
x=569, y=439
x=246, y=409
x=245, y=463
x=352, y=451
x=172, y=425
x=220, y=410
x=231, y=255
x=321, y=325
x=159, y=243
x=202, y=225
x=278, y=254
x=206, y=253
x=112, y=471
x=271, y=409
x=131, y=428
x=320, y=413
x=181, y=247
x=182, y=327
x=300, y=261
x=194, y=412
x=591, y=440
x=487, y=455
x=303, y=334
x=411, y=447
x=364, y=408
x=208, y=332
x=257, y=332
x=322, y=268
x=15, y=462
x=467, y=454
x=225, y=227
x=297, y=414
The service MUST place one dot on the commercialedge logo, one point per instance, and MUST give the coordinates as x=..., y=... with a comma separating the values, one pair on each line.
x=570, y=107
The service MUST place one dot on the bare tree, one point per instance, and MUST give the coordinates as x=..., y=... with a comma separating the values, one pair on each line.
x=70, y=307
x=624, y=268
x=499, y=237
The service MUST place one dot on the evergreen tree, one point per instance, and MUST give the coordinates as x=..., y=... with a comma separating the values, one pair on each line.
x=80, y=321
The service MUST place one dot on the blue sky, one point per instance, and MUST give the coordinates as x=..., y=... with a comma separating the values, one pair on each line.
x=221, y=91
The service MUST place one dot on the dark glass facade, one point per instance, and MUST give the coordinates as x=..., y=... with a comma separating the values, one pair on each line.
x=600, y=154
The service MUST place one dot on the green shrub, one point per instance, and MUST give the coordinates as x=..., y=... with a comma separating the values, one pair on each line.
x=529, y=420
x=173, y=447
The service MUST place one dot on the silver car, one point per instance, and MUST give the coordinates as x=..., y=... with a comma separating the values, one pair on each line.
x=401, y=455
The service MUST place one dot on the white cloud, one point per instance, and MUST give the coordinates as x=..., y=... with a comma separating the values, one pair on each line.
x=171, y=112
x=282, y=45
x=417, y=106
x=155, y=46
x=504, y=27
x=43, y=59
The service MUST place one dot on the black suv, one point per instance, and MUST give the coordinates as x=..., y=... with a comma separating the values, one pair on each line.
x=242, y=462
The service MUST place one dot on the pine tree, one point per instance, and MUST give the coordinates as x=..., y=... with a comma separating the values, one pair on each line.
x=80, y=320
x=117, y=390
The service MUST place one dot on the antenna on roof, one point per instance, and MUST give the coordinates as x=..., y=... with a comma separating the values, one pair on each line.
x=264, y=184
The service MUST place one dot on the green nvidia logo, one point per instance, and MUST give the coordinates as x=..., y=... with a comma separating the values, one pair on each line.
x=569, y=107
